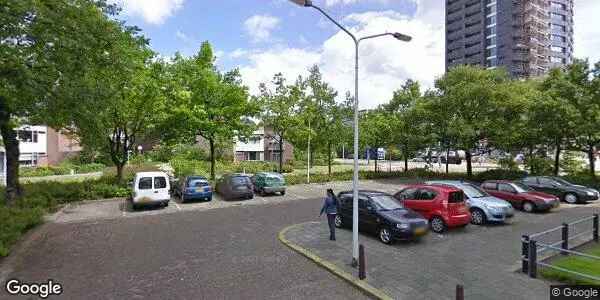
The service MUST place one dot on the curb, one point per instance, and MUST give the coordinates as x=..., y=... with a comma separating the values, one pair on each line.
x=363, y=286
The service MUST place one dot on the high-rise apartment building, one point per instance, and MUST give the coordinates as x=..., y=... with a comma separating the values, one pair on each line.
x=527, y=37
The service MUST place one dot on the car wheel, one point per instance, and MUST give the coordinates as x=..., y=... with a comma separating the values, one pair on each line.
x=438, y=225
x=339, y=222
x=477, y=217
x=209, y=199
x=528, y=207
x=385, y=235
x=263, y=193
x=283, y=193
x=571, y=198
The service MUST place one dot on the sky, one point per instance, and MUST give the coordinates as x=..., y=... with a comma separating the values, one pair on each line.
x=264, y=37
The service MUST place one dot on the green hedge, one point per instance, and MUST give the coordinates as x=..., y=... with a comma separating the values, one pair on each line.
x=14, y=222
x=419, y=174
x=63, y=169
x=185, y=167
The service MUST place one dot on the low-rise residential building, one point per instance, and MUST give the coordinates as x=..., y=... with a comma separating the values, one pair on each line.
x=262, y=145
x=42, y=146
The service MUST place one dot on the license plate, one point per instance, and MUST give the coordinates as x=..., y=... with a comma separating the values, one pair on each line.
x=199, y=190
x=420, y=231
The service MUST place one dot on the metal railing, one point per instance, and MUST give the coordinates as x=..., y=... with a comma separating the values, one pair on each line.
x=531, y=246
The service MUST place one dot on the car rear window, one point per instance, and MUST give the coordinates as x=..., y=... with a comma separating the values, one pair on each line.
x=196, y=182
x=489, y=185
x=240, y=180
x=456, y=197
x=160, y=183
x=145, y=183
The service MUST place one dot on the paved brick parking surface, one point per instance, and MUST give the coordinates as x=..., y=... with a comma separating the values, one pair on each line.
x=216, y=250
x=482, y=258
x=120, y=208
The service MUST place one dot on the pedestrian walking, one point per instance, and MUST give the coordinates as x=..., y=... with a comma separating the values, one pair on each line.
x=330, y=208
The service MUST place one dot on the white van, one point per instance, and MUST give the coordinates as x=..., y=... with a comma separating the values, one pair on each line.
x=150, y=188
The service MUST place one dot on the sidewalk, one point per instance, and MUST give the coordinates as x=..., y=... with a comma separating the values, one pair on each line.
x=430, y=269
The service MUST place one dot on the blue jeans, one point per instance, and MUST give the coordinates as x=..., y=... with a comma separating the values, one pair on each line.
x=331, y=222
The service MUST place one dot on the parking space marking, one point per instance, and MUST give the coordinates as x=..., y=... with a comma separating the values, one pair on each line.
x=176, y=205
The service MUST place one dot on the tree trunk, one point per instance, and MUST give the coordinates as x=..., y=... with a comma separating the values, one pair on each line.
x=592, y=160
x=468, y=158
x=11, y=145
x=281, y=154
x=530, y=158
x=211, y=142
x=405, y=159
x=557, y=158
x=447, y=160
x=376, y=159
x=329, y=158
x=120, y=167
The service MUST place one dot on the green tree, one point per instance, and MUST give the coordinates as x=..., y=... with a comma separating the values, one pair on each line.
x=376, y=128
x=43, y=45
x=556, y=113
x=470, y=95
x=582, y=89
x=124, y=102
x=279, y=111
x=406, y=120
x=210, y=104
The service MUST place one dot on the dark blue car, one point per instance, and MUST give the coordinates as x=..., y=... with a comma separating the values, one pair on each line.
x=193, y=188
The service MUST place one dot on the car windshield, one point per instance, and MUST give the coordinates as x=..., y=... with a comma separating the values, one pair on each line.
x=473, y=191
x=386, y=202
x=521, y=188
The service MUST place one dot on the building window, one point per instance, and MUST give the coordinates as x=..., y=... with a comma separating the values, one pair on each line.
x=556, y=5
x=558, y=17
x=557, y=60
x=558, y=28
x=252, y=155
x=490, y=41
x=558, y=38
x=558, y=49
x=27, y=136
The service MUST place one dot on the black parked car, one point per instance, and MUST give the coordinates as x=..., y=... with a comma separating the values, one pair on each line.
x=235, y=186
x=566, y=191
x=380, y=213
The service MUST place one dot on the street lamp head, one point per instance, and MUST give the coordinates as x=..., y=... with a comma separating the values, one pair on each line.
x=303, y=2
x=402, y=37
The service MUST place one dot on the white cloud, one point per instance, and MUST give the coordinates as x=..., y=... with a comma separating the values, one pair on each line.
x=385, y=63
x=152, y=11
x=587, y=32
x=238, y=53
x=259, y=27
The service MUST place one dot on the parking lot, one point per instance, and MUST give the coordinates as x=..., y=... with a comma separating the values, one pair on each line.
x=120, y=208
x=222, y=249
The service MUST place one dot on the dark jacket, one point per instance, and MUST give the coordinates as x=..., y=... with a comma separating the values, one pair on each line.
x=329, y=206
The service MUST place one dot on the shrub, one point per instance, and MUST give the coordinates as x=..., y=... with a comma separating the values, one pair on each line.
x=89, y=168
x=508, y=163
x=539, y=165
x=499, y=174
x=14, y=222
x=570, y=164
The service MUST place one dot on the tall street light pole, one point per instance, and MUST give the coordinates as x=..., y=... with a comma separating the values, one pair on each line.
x=399, y=36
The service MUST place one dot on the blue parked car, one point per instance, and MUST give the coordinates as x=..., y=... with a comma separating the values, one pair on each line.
x=193, y=188
x=483, y=206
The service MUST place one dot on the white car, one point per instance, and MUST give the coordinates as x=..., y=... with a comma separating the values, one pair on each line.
x=150, y=188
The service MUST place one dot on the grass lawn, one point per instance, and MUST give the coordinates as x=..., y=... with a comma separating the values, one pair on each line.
x=578, y=264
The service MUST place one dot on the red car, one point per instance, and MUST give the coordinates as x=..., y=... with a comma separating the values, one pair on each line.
x=520, y=195
x=444, y=206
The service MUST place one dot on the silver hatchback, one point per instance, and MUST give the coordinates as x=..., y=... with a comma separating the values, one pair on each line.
x=483, y=206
